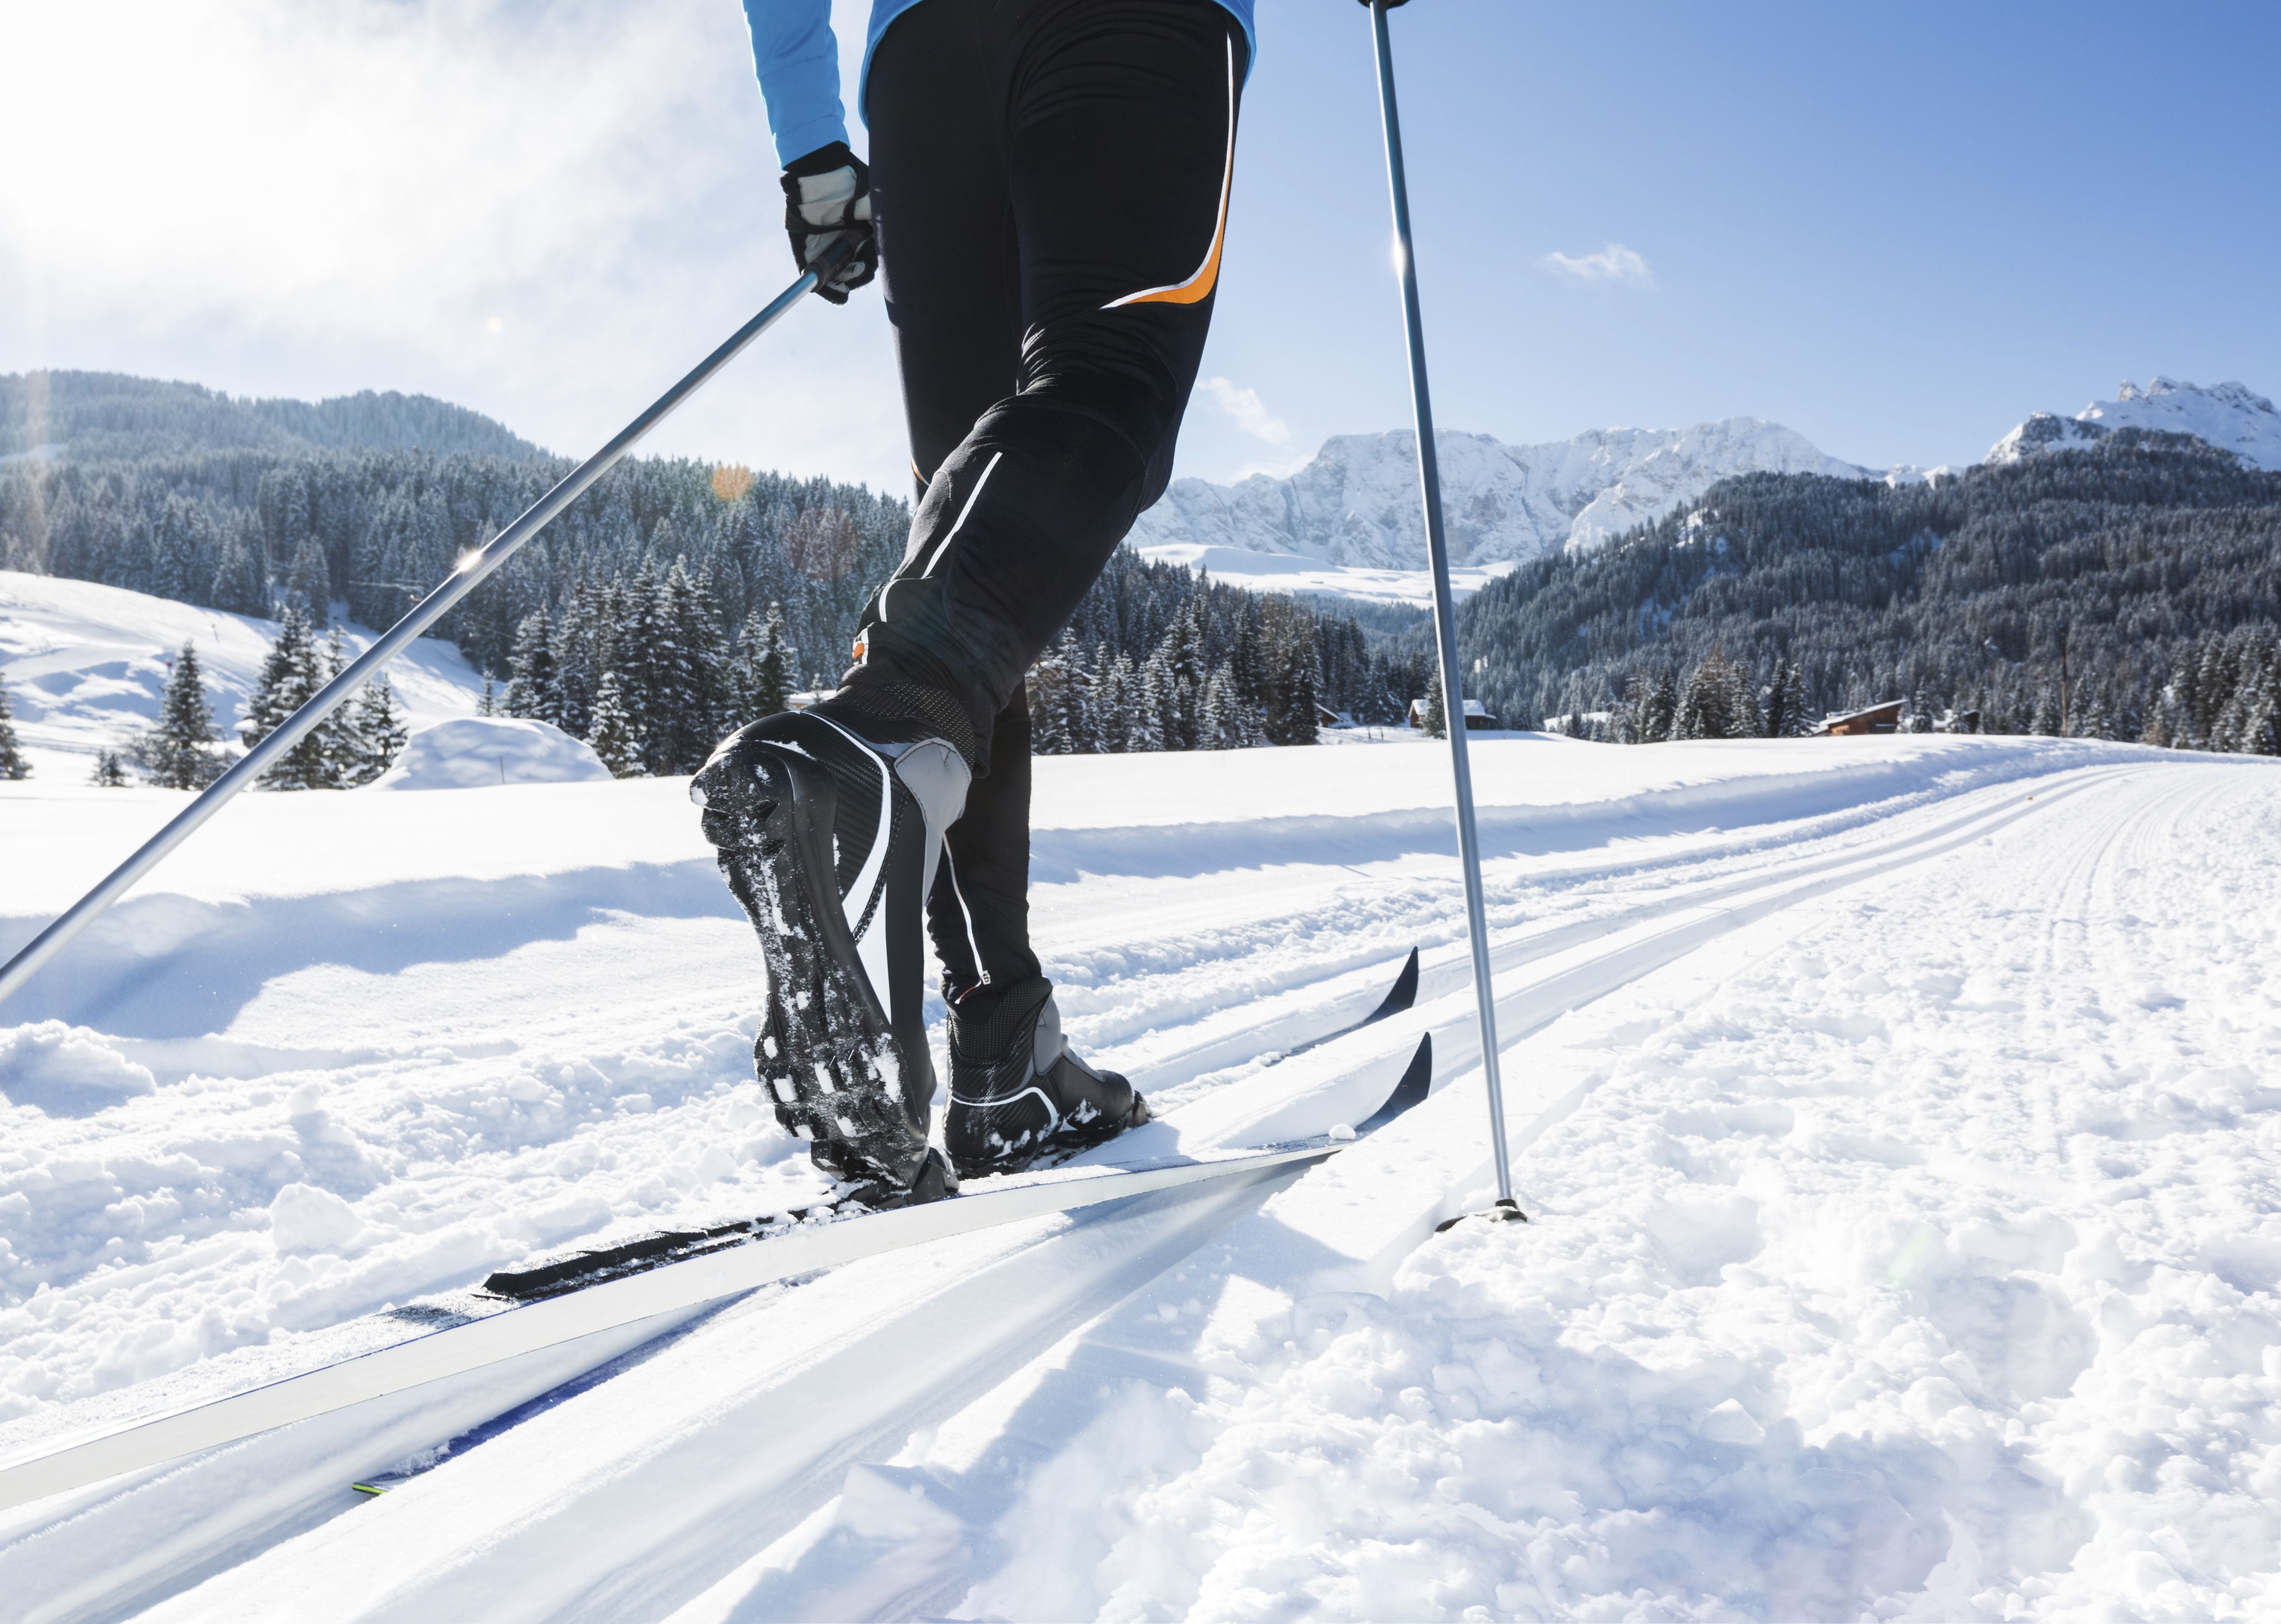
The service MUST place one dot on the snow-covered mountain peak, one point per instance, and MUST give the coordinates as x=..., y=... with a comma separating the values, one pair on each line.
x=1356, y=505
x=2229, y=416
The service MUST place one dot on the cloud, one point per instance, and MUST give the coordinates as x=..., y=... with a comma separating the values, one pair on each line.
x=547, y=213
x=1612, y=264
x=1246, y=410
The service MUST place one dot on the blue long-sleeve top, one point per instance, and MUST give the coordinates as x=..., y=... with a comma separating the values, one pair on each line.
x=799, y=64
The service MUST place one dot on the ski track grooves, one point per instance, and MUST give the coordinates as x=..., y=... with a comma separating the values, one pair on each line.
x=769, y=1419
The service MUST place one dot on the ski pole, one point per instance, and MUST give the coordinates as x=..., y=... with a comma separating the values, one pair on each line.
x=470, y=572
x=1445, y=621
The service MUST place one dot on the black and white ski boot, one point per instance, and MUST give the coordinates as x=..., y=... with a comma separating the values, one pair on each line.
x=1018, y=1091
x=828, y=823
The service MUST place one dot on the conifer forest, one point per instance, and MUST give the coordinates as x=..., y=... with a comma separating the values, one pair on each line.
x=2129, y=590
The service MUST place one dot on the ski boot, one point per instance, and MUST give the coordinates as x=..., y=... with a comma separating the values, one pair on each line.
x=1018, y=1091
x=828, y=823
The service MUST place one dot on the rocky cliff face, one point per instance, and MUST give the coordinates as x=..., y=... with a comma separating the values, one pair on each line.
x=2227, y=415
x=1357, y=503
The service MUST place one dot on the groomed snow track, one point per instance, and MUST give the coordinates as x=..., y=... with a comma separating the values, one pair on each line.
x=627, y=1497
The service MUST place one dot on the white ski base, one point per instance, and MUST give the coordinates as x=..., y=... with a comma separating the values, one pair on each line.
x=71, y=1462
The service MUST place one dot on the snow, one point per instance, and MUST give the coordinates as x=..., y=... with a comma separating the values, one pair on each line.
x=1895, y=1117
x=1281, y=572
x=86, y=664
x=2229, y=415
x=479, y=752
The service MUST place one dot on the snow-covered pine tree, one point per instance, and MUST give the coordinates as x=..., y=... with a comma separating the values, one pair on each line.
x=531, y=669
x=110, y=772
x=1784, y=716
x=1145, y=727
x=1742, y=714
x=614, y=735
x=1081, y=719
x=1436, y=719
x=290, y=676
x=1707, y=703
x=689, y=672
x=1227, y=723
x=380, y=731
x=1120, y=696
x=2046, y=720
x=12, y=765
x=340, y=738
x=177, y=753
x=308, y=578
x=761, y=673
x=575, y=670
x=1048, y=685
x=2260, y=730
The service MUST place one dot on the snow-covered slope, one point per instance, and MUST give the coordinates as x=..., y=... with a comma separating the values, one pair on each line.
x=85, y=665
x=1895, y=1114
x=2228, y=415
x=1357, y=503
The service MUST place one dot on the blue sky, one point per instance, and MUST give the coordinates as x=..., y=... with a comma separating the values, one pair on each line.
x=1896, y=231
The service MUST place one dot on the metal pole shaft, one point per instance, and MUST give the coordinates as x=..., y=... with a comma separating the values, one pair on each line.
x=1445, y=624
x=471, y=571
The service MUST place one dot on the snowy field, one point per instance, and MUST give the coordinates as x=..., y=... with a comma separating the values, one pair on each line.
x=1287, y=572
x=1898, y=1119
x=86, y=663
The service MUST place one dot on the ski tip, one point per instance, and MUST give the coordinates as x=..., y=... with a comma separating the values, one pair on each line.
x=1506, y=1211
x=1417, y=1082
x=368, y=1488
x=1404, y=992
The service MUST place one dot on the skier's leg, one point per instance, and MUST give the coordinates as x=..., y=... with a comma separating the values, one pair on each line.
x=980, y=911
x=1116, y=121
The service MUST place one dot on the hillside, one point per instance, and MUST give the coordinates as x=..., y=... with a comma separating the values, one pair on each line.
x=2083, y=589
x=91, y=416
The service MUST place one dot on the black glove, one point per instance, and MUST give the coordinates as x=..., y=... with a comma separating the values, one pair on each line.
x=828, y=197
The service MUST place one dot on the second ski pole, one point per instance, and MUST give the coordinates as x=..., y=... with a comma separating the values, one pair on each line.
x=1445, y=621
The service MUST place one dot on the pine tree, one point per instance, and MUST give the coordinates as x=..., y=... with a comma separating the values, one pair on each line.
x=1048, y=685
x=1120, y=697
x=290, y=677
x=1789, y=685
x=531, y=668
x=1145, y=729
x=12, y=765
x=1437, y=715
x=614, y=735
x=308, y=578
x=760, y=679
x=176, y=753
x=2045, y=721
x=487, y=705
x=380, y=731
x=339, y=739
x=110, y=772
x=1225, y=723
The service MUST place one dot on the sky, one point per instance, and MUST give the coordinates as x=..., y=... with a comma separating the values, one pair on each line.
x=1897, y=231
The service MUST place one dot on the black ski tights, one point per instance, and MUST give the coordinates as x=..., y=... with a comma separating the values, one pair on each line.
x=1050, y=180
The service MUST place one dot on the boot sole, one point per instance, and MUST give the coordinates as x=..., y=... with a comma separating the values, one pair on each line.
x=771, y=822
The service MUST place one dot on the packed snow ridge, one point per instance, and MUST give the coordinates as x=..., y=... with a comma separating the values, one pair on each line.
x=1357, y=503
x=2229, y=415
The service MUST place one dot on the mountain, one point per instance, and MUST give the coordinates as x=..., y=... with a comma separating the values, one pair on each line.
x=2095, y=589
x=89, y=415
x=2227, y=415
x=1356, y=505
